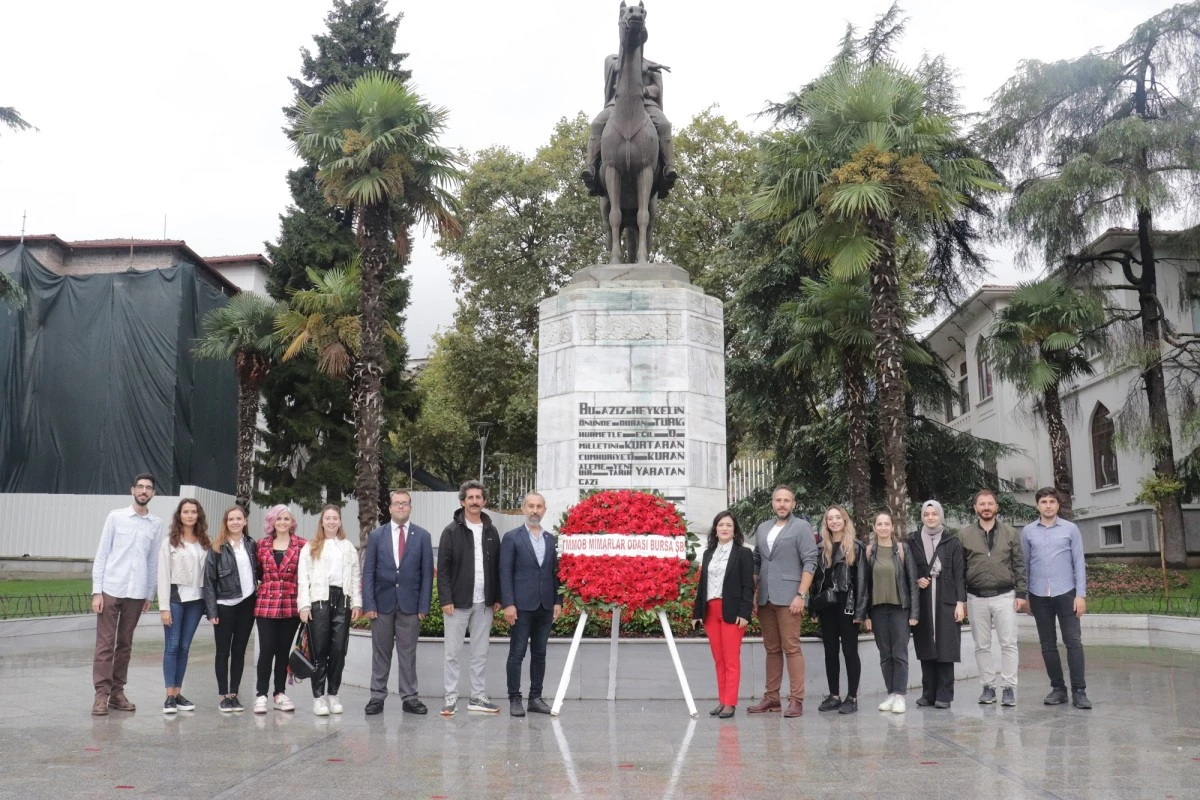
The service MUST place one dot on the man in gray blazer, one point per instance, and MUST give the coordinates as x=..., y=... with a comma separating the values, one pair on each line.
x=397, y=586
x=785, y=557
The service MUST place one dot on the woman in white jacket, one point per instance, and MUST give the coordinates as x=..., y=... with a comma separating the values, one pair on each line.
x=329, y=594
x=180, y=576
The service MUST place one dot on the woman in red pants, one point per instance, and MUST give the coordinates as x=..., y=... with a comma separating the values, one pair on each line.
x=724, y=603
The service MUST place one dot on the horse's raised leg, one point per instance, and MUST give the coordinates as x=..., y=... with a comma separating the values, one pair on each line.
x=645, y=183
x=612, y=180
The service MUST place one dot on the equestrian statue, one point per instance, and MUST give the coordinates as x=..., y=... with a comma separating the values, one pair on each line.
x=629, y=151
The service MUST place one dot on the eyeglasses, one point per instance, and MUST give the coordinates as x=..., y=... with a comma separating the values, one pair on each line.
x=144, y=487
x=402, y=504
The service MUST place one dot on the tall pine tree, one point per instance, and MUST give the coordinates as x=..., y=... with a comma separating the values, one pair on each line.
x=309, y=437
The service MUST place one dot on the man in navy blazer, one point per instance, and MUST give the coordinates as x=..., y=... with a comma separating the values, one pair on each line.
x=397, y=586
x=529, y=593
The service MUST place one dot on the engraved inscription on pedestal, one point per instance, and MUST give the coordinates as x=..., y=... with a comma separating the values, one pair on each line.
x=638, y=445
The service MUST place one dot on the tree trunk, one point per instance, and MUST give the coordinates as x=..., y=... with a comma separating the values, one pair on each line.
x=887, y=326
x=367, y=381
x=855, y=383
x=1155, y=384
x=249, y=389
x=1058, y=449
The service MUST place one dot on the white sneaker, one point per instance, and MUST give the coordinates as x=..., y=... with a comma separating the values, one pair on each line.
x=260, y=704
x=886, y=705
x=282, y=703
x=320, y=707
x=898, y=705
x=335, y=705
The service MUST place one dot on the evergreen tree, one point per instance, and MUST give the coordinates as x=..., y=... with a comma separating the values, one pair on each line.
x=309, y=439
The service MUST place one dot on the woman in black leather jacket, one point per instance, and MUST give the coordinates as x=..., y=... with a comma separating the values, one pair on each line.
x=839, y=600
x=231, y=577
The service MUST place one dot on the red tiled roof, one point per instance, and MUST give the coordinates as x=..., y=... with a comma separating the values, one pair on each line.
x=236, y=259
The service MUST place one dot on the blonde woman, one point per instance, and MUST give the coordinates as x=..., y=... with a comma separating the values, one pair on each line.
x=180, y=580
x=329, y=594
x=839, y=600
x=230, y=581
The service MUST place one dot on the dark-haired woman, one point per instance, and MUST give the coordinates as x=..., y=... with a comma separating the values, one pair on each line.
x=941, y=569
x=230, y=580
x=724, y=603
x=180, y=578
x=839, y=599
x=895, y=607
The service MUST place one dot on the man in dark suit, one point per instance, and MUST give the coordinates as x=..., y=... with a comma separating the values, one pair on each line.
x=397, y=587
x=785, y=558
x=529, y=592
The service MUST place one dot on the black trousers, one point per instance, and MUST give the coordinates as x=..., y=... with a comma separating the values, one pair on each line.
x=531, y=631
x=329, y=633
x=838, y=632
x=232, y=634
x=274, y=646
x=1060, y=608
x=937, y=681
x=890, y=625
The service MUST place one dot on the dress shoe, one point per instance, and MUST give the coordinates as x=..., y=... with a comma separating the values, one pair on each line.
x=1057, y=697
x=727, y=712
x=100, y=706
x=988, y=697
x=120, y=702
x=764, y=706
x=795, y=709
x=515, y=708
x=538, y=706
x=941, y=704
x=1079, y=699
x=374, y=706
x=413, y=706
x=716, y=711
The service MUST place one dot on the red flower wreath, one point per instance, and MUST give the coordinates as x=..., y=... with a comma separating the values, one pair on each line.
x=636, y=582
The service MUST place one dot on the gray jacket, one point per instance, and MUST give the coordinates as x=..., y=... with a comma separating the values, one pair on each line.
x=779, y=570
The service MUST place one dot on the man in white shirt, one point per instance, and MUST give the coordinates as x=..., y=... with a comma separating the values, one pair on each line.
x=124, y=579
x=468, y=581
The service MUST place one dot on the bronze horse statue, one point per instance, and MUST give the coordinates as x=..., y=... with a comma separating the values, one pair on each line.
x=629, y=151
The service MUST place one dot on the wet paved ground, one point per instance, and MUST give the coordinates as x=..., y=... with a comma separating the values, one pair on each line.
x=1142, y=740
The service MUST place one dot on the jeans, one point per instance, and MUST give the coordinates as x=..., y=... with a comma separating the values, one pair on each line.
x=329, y=632
x=838, y=632
x=177, y=640
x=892, y=633
x=1061, y=608
x=999, y=614
x=532, y=631
x=232, y=634
x=479, y=619
x=274, y=646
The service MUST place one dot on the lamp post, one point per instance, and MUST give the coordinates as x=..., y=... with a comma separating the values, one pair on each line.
x=484, y=428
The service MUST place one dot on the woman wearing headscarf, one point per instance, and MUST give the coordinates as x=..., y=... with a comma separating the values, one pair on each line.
x=941, y=567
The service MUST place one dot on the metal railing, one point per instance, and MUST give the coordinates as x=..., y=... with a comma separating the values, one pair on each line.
x=44, y=605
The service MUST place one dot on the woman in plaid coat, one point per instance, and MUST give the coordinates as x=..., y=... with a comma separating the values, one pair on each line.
x=275, y=611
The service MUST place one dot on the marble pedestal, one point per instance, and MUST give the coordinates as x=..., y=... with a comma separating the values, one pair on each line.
x=631, y=390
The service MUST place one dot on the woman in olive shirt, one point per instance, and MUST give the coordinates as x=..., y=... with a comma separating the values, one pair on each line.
x=892, y=589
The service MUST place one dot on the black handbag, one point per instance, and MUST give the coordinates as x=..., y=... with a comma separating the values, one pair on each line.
x=826, y=598
x=300, y=659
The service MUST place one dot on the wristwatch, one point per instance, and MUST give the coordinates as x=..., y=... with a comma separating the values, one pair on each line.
x=803, y=596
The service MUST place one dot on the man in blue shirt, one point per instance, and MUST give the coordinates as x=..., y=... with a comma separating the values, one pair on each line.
x=1057, y=588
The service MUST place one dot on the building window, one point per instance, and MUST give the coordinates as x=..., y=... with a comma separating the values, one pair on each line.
x=985, y=371
x=964, y=397
x=1104, y=455
x=1111, y=535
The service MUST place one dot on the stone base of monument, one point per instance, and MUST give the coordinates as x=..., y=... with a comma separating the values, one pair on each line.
x=631, y=390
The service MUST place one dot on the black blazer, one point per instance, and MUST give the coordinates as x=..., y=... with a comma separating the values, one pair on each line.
x=523, y=583
x=737, y=592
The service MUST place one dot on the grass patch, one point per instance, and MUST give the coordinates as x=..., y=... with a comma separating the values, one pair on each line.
x=53, y=586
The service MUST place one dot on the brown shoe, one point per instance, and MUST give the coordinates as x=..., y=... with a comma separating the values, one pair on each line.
x=764, y=706
x=120, y=702
x=100, y=707
x=795, y=708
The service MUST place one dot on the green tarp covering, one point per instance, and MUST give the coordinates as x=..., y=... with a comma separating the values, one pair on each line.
x=97, y=383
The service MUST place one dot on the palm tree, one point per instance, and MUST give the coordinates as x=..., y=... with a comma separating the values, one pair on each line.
x=832, y=322
x=12, y=119
x=243, y=330
x=322, y=322
x=1041, y=339
x=11, y=291
x=868, y=169
x=375, y=146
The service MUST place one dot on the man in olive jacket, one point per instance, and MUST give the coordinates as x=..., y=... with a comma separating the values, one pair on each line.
x=995, y=593
x=468, y=581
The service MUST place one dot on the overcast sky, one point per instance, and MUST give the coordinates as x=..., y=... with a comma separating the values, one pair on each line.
x=146, y=108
